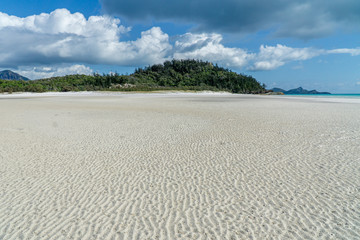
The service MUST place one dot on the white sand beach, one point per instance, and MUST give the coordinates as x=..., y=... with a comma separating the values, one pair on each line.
x=178, y=166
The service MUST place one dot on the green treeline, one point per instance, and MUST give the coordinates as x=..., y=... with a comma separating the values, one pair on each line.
x=172, y=75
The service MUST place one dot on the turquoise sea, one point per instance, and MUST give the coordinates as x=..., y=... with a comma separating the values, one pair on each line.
x=335, y=95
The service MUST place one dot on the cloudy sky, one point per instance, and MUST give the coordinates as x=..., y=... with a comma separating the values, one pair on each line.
x=310, y=43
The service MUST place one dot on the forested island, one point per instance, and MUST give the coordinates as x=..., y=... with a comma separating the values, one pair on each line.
x=194, y=75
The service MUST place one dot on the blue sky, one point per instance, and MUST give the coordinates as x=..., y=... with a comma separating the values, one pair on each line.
x=287, y=44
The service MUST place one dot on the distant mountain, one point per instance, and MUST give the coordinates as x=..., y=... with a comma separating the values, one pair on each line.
x=278, y=90
x=10, y=75
x=298, y=90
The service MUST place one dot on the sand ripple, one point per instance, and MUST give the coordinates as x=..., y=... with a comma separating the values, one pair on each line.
x=185, y=167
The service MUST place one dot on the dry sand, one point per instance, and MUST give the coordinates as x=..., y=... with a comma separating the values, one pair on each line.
x=178, y=166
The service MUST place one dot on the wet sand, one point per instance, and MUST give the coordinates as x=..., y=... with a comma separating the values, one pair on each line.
x=178, y=166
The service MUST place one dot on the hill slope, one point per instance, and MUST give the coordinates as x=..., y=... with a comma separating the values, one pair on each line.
x=10, y=75
x=195, y=73
x=172, y=75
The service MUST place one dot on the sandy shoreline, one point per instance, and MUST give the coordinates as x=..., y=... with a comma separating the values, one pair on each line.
x=310, y=97
x=178, y=166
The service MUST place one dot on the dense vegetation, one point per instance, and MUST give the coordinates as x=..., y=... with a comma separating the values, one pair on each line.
x=172, y=75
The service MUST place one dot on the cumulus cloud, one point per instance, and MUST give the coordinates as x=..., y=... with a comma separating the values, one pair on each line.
x=61, y=37
x=271, y=57
x=351, y=51
x=61, y=21
x=64, y=39
x=53, y=71
x=208, y=47
x=304, y=19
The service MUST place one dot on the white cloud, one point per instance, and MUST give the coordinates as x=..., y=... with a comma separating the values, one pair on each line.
x=208, y=47
x=351, y=51
x=61, y=37
x=358, y=83
x=61, y=21
x=152, y=47
x=271, y=57
x=47, y=72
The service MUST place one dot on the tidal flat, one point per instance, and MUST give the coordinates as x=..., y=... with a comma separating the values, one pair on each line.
x=178, y=166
